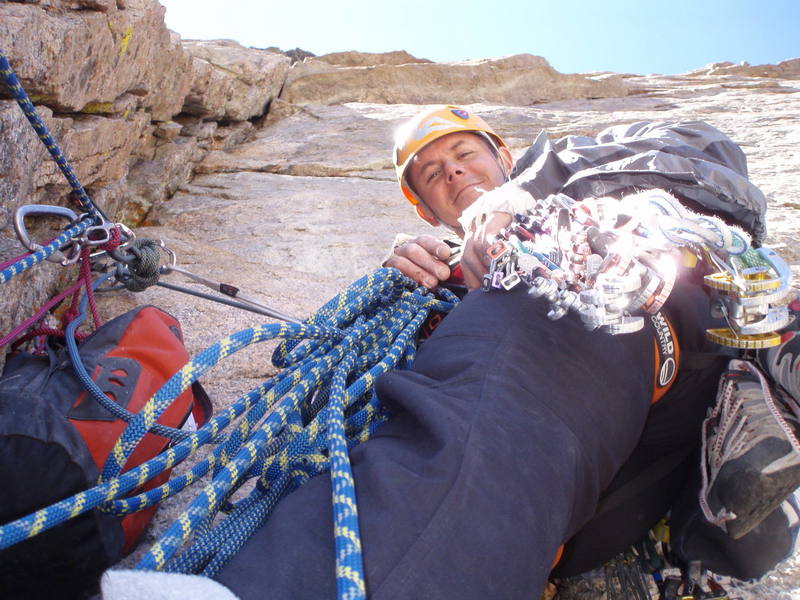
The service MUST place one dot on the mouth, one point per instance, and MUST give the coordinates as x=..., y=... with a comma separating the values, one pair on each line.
x=467, y=188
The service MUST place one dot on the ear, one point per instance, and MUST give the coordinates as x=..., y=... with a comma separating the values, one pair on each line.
x=424, y=213
x=505, y=159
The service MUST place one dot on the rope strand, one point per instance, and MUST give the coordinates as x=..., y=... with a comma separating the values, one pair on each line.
x=290, y=429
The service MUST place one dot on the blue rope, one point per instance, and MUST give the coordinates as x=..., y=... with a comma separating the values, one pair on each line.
x=297, y=425
x=95, y=215
x=36, y=257
x=16, y=89
x=88, y=383
x=277, y=473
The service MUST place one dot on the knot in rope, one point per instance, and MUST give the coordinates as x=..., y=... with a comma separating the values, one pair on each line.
x=140, y=271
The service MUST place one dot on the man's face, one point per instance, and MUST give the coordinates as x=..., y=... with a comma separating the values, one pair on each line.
x=451, y=173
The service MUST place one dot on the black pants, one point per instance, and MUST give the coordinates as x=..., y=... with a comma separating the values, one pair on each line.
x=502, y=439
x=663, y=472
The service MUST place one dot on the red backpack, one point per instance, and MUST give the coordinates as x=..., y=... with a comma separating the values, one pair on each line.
x=54, y=439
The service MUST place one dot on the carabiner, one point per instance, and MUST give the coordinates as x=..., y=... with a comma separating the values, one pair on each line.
x=96, y=235
x=46, y=210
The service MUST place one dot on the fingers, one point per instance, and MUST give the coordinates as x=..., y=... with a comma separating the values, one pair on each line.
x=472, y=262
x=475, y=261
x=435, y=247
x=421, y=259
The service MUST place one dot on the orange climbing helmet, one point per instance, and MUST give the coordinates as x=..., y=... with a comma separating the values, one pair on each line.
x=429, y=126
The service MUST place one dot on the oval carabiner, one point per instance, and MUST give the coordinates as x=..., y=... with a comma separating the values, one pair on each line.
x=46, y=210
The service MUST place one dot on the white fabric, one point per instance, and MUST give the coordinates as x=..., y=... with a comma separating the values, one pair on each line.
x=508, y=198
x=155, y=585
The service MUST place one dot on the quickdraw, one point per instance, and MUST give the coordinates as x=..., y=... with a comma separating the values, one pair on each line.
x=611, y=260
x=138, y=261
x=92, y=229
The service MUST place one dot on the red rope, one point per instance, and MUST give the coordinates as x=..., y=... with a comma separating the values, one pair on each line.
x=39, y=313
x=84, y=280
x=86, y=275
x=48, y=331
x=8, y=262
x=114, y=242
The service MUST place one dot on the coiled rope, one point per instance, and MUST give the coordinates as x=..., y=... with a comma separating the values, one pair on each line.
x=296, y=425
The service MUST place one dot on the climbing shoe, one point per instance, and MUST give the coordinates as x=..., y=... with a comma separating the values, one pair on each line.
x=751, y=452
x=782, y=363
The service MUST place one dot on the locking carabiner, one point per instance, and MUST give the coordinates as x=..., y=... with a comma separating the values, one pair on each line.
x=46, y=210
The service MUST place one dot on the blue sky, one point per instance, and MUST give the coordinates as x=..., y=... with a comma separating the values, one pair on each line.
x=575, y=36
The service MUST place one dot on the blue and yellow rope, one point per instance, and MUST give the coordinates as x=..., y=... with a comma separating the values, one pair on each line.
x=94, y=215
x=16, y=89
x=291, y=428
x=35, y=258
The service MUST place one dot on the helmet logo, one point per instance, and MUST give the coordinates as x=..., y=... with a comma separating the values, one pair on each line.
x=431, y=125
x=460, y=113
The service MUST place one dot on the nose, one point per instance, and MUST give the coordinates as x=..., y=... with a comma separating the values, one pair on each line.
x=452, y=170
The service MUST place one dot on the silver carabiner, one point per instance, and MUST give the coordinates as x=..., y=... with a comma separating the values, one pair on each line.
x=96, y=235
x=127, y=235
x=46, y=210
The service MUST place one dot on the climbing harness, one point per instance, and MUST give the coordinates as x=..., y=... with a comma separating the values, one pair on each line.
x=610, y=260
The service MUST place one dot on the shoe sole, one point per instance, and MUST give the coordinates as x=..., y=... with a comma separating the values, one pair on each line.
x=752, y=495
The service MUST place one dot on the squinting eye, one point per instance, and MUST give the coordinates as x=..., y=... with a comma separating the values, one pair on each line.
x=432, y=175
x=465, y=154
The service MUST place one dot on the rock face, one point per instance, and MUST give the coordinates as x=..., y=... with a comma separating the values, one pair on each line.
x=108, y=78
x=787, y=69
x=515, y=80
x=230, y=82
x=369, y=59
x=85, y=60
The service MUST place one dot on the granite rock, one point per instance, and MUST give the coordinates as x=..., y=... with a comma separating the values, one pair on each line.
x=518, y=80
x=85, y=60
x=231, y=82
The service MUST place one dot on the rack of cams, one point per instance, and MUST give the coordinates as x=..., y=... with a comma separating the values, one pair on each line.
x=613, y=260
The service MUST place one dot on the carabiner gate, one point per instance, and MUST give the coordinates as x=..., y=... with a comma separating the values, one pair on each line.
x=46, y=210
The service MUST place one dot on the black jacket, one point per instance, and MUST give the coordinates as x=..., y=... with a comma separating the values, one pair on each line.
x=692, y=160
